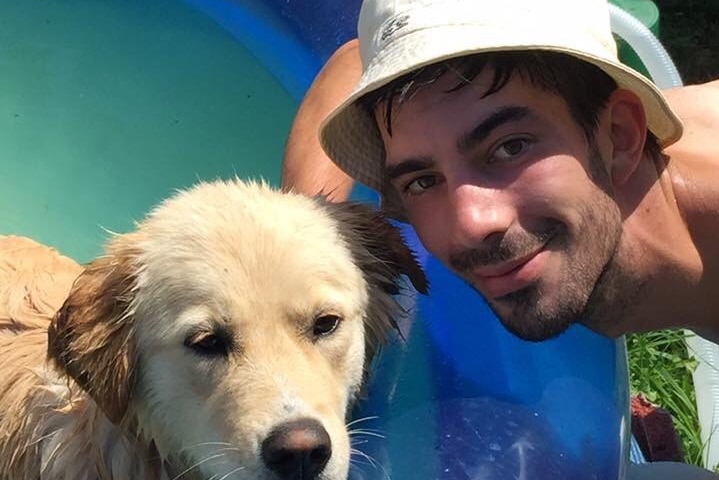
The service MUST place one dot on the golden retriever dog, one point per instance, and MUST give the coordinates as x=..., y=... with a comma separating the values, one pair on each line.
x=225, y=338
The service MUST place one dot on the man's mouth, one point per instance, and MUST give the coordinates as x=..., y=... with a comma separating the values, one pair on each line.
x=495, y=281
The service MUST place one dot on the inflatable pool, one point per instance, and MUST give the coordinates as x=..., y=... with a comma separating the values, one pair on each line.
x=106, y=107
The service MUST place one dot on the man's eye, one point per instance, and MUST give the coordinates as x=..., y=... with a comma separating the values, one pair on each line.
x=419, y=185
x=510, y=149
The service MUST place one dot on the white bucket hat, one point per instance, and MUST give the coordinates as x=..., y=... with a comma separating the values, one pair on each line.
x=398, y=36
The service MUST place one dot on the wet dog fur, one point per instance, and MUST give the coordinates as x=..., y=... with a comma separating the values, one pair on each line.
x=225, y=338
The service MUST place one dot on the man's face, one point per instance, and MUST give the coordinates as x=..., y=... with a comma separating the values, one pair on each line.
x=507, y=192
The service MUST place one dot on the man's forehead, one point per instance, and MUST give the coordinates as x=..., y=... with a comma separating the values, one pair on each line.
x=484, y=88
x=447, y=96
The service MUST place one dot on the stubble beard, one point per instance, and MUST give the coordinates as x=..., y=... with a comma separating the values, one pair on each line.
x=596, y=288
x=538, y=313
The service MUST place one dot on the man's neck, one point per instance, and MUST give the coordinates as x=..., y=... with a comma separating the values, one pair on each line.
x=673, y=232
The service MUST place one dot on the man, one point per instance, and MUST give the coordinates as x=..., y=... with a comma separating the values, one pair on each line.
x=529, y=160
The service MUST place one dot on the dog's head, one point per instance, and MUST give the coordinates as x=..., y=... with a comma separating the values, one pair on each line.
x=234, y=326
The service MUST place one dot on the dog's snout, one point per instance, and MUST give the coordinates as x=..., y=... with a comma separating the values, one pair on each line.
x=299, y=449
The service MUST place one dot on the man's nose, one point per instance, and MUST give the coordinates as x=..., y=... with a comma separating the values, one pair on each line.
x=479, y=213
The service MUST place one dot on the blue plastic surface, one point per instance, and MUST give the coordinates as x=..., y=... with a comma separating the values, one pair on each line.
x=459, y=398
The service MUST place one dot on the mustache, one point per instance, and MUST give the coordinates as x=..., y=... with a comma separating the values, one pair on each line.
x=502, y=247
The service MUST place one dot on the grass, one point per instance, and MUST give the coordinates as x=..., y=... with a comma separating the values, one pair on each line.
x=661, y=370
x=660, y=367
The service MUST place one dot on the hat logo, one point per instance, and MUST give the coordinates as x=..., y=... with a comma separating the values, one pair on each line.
x=393, y=26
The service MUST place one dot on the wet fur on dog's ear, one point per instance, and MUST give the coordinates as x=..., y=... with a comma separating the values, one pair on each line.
x=378, y=249
x=89, y=338
x=370, y=229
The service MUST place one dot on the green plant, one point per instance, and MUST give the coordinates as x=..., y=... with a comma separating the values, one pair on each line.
x=660, y=368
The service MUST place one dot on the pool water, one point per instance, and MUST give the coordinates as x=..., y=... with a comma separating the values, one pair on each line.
x=107, y=106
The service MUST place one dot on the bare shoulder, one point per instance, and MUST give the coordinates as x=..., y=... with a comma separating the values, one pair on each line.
x=693, y=93
x=694, y=171
x=698, y=107
x=695, y=157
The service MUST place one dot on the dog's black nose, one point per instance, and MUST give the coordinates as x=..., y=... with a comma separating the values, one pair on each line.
x=297, y=450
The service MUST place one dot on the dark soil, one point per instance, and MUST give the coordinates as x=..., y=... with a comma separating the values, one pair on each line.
x=689, y=30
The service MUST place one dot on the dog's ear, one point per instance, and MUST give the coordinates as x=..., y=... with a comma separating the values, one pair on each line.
x=380, y=252
x=387, y=257
x=90, y=337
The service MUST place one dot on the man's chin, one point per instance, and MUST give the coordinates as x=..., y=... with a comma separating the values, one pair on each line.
x=527, y=323
x=537, y=330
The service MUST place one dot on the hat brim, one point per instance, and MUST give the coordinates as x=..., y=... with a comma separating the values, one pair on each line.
x=349, y=135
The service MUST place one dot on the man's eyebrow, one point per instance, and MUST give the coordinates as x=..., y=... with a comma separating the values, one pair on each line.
x=465, y=143
x=484, y=129
x=407, y=166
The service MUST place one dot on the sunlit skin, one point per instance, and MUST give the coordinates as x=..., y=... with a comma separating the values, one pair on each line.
x=550, y=228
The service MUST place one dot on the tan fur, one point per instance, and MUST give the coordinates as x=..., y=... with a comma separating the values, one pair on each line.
x=34, y=281
x=126, y=394
x=46, y=422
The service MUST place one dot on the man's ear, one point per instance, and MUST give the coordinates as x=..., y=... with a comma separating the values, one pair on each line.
x=90, y=337
x=628, y=133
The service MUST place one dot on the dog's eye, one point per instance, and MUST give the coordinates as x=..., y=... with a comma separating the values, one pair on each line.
x=207, y=343
x=325, y=325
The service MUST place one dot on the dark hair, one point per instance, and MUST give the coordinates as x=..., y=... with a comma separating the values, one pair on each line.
x=584, y=87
